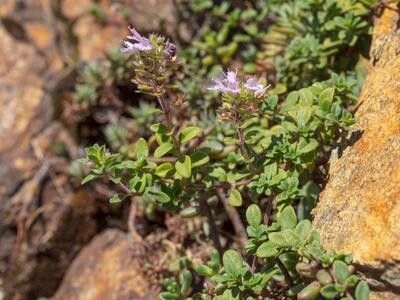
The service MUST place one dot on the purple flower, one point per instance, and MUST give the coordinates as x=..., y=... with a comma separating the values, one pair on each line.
x=135, y=42
x=228, y=84
x=170, y=50
x=254, y=85
x=90, y=164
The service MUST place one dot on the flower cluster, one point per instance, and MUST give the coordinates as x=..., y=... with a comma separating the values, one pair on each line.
x=229, y=83
x=150, y=77
x=140, y=43
x=239, y=98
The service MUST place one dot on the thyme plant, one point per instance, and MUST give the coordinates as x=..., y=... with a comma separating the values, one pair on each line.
x=266, y=167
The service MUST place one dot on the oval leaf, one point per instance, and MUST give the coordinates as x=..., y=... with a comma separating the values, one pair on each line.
x=165, y=169
x=362, y=291
x=303, y=230
x=184, y=168
x=142, y=149
x=288, y=218
x=340, y=270
x=267, y=249
x=233, y=262
x=329, y=291
x=253, y=215
x=199, y=158
x=188, y=133
x=235, y=198
x=186, y=281
x=163, y=149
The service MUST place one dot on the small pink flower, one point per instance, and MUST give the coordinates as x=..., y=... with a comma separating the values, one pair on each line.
x=90, y=164
x=228, y=84
x=254, y=85
x=135, y=43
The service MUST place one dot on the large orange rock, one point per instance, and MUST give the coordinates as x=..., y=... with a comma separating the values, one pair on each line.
x=359, y=210
x=105, y=269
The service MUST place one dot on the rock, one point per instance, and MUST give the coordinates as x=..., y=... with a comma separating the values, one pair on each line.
x=33, y=261
x=149, y=15
x=24, y=110
x=359, y=209
x=105, y=269
x=94, y=38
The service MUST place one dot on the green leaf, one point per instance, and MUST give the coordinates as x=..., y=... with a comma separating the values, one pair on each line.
x=233, y=262
x=152, y=111
x=188, y=133
x=160, y=196
x=190, y=212
x=163, y=149
x=290, y=102
x=287, y=218
x=362, y=291
x=186, y=282
x=253, y=215
x=324, y=277
x=168, y=296
x=204, y=270
x=199, y=158
x=235, y=198
x=115, y=199
x=142, y=149
x=329, y=291
x=290, y=237
x=325, y=99
x=303, y=229
x=184, y=168
x=159, y=128
x=271, y=170
x=218, y=173
x=310, y=146
x=340, y=270
x=267, y=249
x=303, y=115
x=351, y=281
x=88, y=178
x=277, y=238
x=165, y=169
x=306, y=97
x=310, y=292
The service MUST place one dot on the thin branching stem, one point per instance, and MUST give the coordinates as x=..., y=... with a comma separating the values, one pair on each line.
x=234, y=218
x=284, y=271
x=166, y=110
x=242, y=144
x=213, y=227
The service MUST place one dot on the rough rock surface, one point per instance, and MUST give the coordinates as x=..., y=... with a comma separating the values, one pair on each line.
x=105, y=269
x=359, y=210
x=24, y=110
